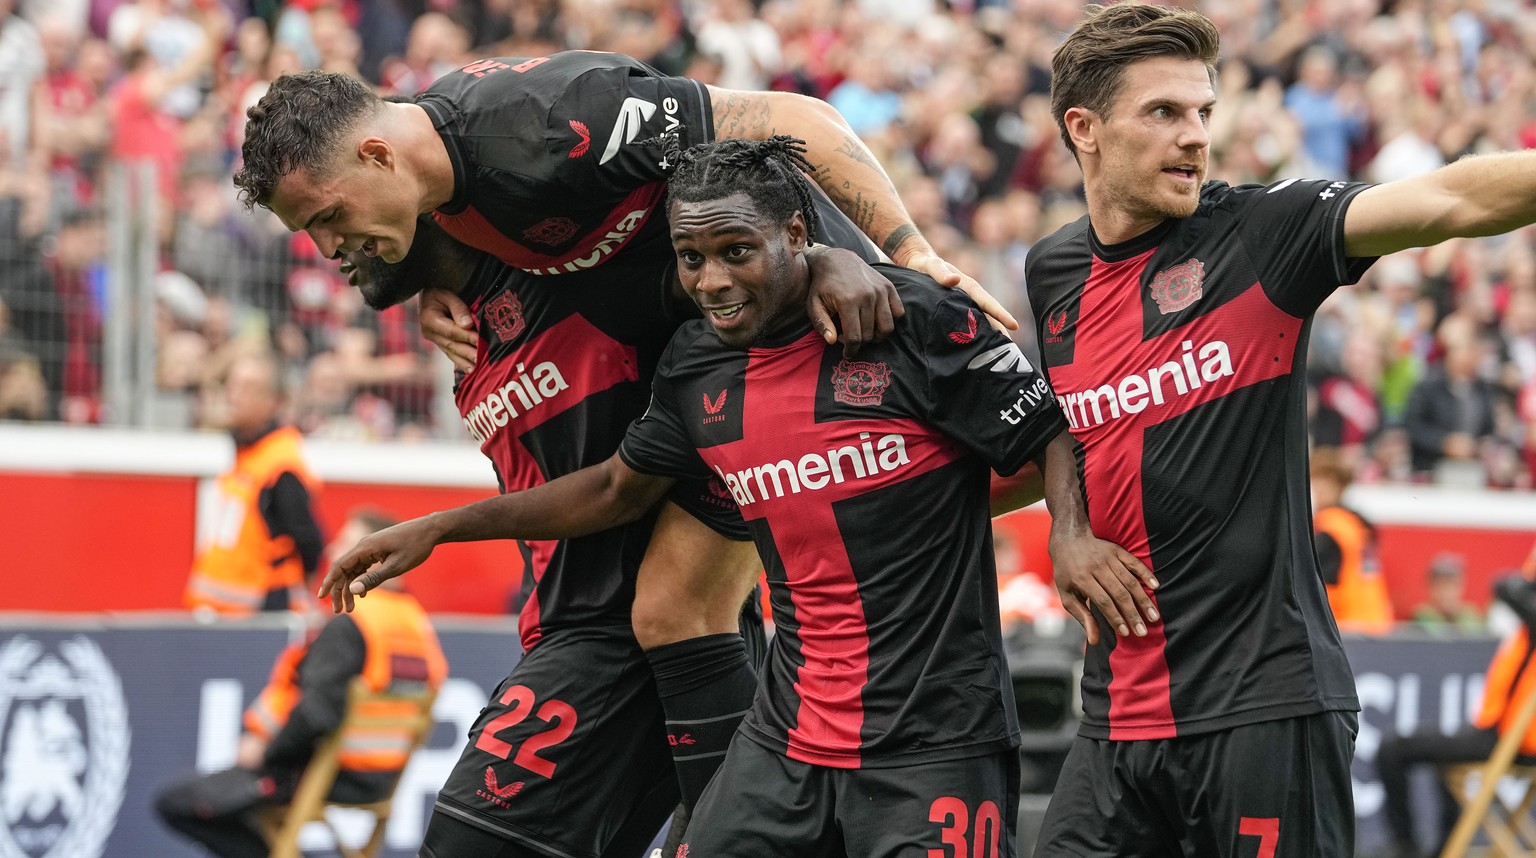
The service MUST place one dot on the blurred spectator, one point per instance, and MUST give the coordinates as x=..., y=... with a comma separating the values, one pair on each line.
x=22, y=66
x=23, y=394
x=263, y=541
x=1445, y=611
x=1507, y=682
x=1329, y=112
x=389, y=643
x=867, y=97
x=951, y=97
x=148, y=114
x=748, y=48
x=77, y=267
x=437, y=45
x=1450, y=414
x=74, y=121
x=1348, y=555
x=164, y=31
x=1349, y=415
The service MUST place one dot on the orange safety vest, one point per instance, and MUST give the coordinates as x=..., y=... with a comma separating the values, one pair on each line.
x=1510, y=678
x=402, y=653
x=1359, y=599
x=240, y=561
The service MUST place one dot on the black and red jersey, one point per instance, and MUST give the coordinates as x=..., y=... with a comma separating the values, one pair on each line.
x=560, y=373
x=560, y=162
x=1178, y=360
x=865, y=484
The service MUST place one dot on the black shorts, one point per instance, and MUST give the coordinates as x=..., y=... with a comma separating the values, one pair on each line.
x=570, y=752
x=1277, y=789
x=762, y=803
x=708, y=500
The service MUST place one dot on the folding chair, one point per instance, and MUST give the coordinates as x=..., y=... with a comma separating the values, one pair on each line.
x=384, y=711
x=1509, y=829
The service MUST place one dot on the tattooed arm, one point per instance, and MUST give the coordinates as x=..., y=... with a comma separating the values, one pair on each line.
x=850, y=175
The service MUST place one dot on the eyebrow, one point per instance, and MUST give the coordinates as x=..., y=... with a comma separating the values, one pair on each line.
x=316, y=216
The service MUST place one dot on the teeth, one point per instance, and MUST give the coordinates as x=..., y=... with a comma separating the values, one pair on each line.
x=729, y=313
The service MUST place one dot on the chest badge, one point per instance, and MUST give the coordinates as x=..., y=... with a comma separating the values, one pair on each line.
x=860, y=382
x=1178, y=287
x=505, y=314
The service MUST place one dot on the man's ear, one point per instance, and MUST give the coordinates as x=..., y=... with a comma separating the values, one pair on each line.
x=376, y=150
x=1083, y=127
x=799, y=233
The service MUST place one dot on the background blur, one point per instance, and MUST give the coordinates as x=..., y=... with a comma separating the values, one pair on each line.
x=130, y=278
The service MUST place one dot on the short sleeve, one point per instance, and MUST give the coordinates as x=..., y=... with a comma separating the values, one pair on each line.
x=1293, y=231
x=632, y=122
x=658, y=443
x=983, y=391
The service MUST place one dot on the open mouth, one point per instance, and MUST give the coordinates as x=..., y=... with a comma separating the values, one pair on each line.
x=371, y=247
x=726, y=313
x=1187, y=173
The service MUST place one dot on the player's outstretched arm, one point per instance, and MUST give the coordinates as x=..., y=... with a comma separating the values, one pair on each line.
x=1475, y=196
x=1091, y=572
x=850, y=175
x=587, y=501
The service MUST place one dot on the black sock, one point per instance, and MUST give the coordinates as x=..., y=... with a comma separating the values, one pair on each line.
x=706, y=686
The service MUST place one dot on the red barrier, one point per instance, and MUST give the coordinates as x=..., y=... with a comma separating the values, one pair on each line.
x=105, y=520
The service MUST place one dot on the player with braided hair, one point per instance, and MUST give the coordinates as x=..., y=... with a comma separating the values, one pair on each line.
x=773, y=172
x=884, y=721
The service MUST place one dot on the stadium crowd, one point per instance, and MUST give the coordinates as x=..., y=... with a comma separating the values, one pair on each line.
x=1424, y=371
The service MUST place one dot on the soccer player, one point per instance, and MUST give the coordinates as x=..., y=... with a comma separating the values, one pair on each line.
x=556, y=165
x=1173, y=324
x=885, y=721
x=577, y=727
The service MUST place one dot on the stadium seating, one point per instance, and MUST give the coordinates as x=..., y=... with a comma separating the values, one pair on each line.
x=411, y=712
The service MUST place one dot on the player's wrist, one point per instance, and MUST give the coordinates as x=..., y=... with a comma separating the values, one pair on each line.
x=905, y=245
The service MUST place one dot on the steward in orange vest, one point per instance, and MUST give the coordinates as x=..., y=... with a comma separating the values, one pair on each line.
x=389, y=642
x=1511, y=678
x=261, y=538
x=1347, y=554
x=1508, y=681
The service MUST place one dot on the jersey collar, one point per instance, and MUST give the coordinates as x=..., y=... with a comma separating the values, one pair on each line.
x=1131, y=247
x=444, y=119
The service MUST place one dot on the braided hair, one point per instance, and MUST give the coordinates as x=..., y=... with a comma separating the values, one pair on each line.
x=773, y=173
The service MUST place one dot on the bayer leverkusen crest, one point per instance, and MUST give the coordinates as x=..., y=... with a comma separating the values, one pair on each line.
x=860, y=382
x=1176, y=288
x=505, y=313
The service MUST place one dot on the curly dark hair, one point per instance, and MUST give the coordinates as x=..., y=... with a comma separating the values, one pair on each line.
x=298, y=126
x=772, y=173
x=1088, y=68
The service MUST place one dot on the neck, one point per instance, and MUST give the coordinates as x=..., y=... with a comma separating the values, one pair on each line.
x=1111, y=223
x=424, y=154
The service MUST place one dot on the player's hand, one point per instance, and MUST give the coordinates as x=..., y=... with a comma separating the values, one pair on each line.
x=953, y=278
x=446, y=323
x=377, y=558
x=1093, y=573
x=251, y=751
x=862, y=300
